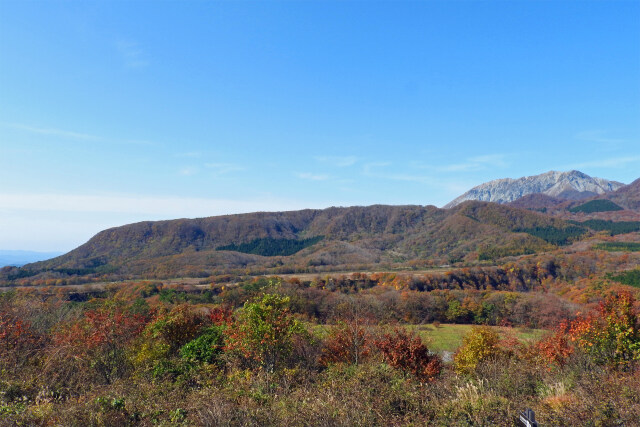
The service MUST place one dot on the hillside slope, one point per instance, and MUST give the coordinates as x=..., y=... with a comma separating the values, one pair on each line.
x=322, y=239
x=628, y=196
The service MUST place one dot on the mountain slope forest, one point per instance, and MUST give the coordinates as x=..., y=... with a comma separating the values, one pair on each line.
x=332, y=239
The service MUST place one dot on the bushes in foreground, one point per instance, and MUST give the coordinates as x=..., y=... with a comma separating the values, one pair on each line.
x=117, y=363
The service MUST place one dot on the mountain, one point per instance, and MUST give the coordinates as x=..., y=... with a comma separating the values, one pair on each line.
x=573, y=185
x=306, y=240
x=19, y=258
x=628, y=196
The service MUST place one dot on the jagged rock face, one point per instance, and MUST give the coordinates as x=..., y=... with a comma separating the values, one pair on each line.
x=572, y=185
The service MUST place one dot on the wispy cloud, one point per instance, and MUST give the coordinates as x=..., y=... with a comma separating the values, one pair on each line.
x=72, y=135
x=614, y=162
x=223, y=168
x=52, y=131
x=450, y=187
x=64, y=221
x=379, y=170
x=169, y=206
x=312, y=177
x=190, y=154
x=132, y=54
x=373, y=167
x=478, y=163
x=599, y=136
x=338, y=161
x=188, y=171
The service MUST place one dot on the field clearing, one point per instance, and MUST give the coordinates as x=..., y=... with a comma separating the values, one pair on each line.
x=448, y=337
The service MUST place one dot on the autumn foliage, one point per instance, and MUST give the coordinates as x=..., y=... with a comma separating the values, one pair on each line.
x=295, y=353
x=18, y=341
x=556, y=347
x=610, y=335
x=407, y=352
x=263, y=332
x=348, y=342
x=480, y=345
x=98, y=339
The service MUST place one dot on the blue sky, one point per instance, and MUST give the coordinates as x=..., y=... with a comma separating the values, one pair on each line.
x=116, y=112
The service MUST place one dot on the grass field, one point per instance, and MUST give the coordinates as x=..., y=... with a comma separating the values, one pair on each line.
x=448, y=337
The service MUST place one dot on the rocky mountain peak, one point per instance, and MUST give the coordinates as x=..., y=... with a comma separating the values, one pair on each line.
x=572, y=185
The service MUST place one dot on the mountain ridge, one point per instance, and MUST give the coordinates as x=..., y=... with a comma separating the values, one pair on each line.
x=361, y=235
x=572, y=185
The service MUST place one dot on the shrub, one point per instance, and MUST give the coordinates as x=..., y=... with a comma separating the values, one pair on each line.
x=164, y=337
x=176, y=327
x=612, y=334
x=206, y=348
x=348, y=342
x=18, y=342
x=263, y=332
x=407, y=352
x=556, y=347
x=98, y=339
x=479, y=345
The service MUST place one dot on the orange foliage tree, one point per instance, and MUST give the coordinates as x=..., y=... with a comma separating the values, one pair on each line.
x=99, y=338
x=407, y=352
x=18, y=342
x=612, y=334
x=264, y=332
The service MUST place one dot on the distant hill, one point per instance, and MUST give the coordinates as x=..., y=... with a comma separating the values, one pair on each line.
x=306, y=240
x=623, y=202
x=573, y=185
x=628, y=196
x=19, y=258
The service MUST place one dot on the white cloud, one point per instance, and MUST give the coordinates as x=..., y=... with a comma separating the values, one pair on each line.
x=132, y=54
x=223, y=168
x=371, y=168
x=477, y=163
x=52, y=131
x=615, y=162
x=79, y=136
x=378, y=170
x=338, y=161
x=599, y=136
x=312, y=177
x=190, y=154
x=490, y=160
x=188, y=171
